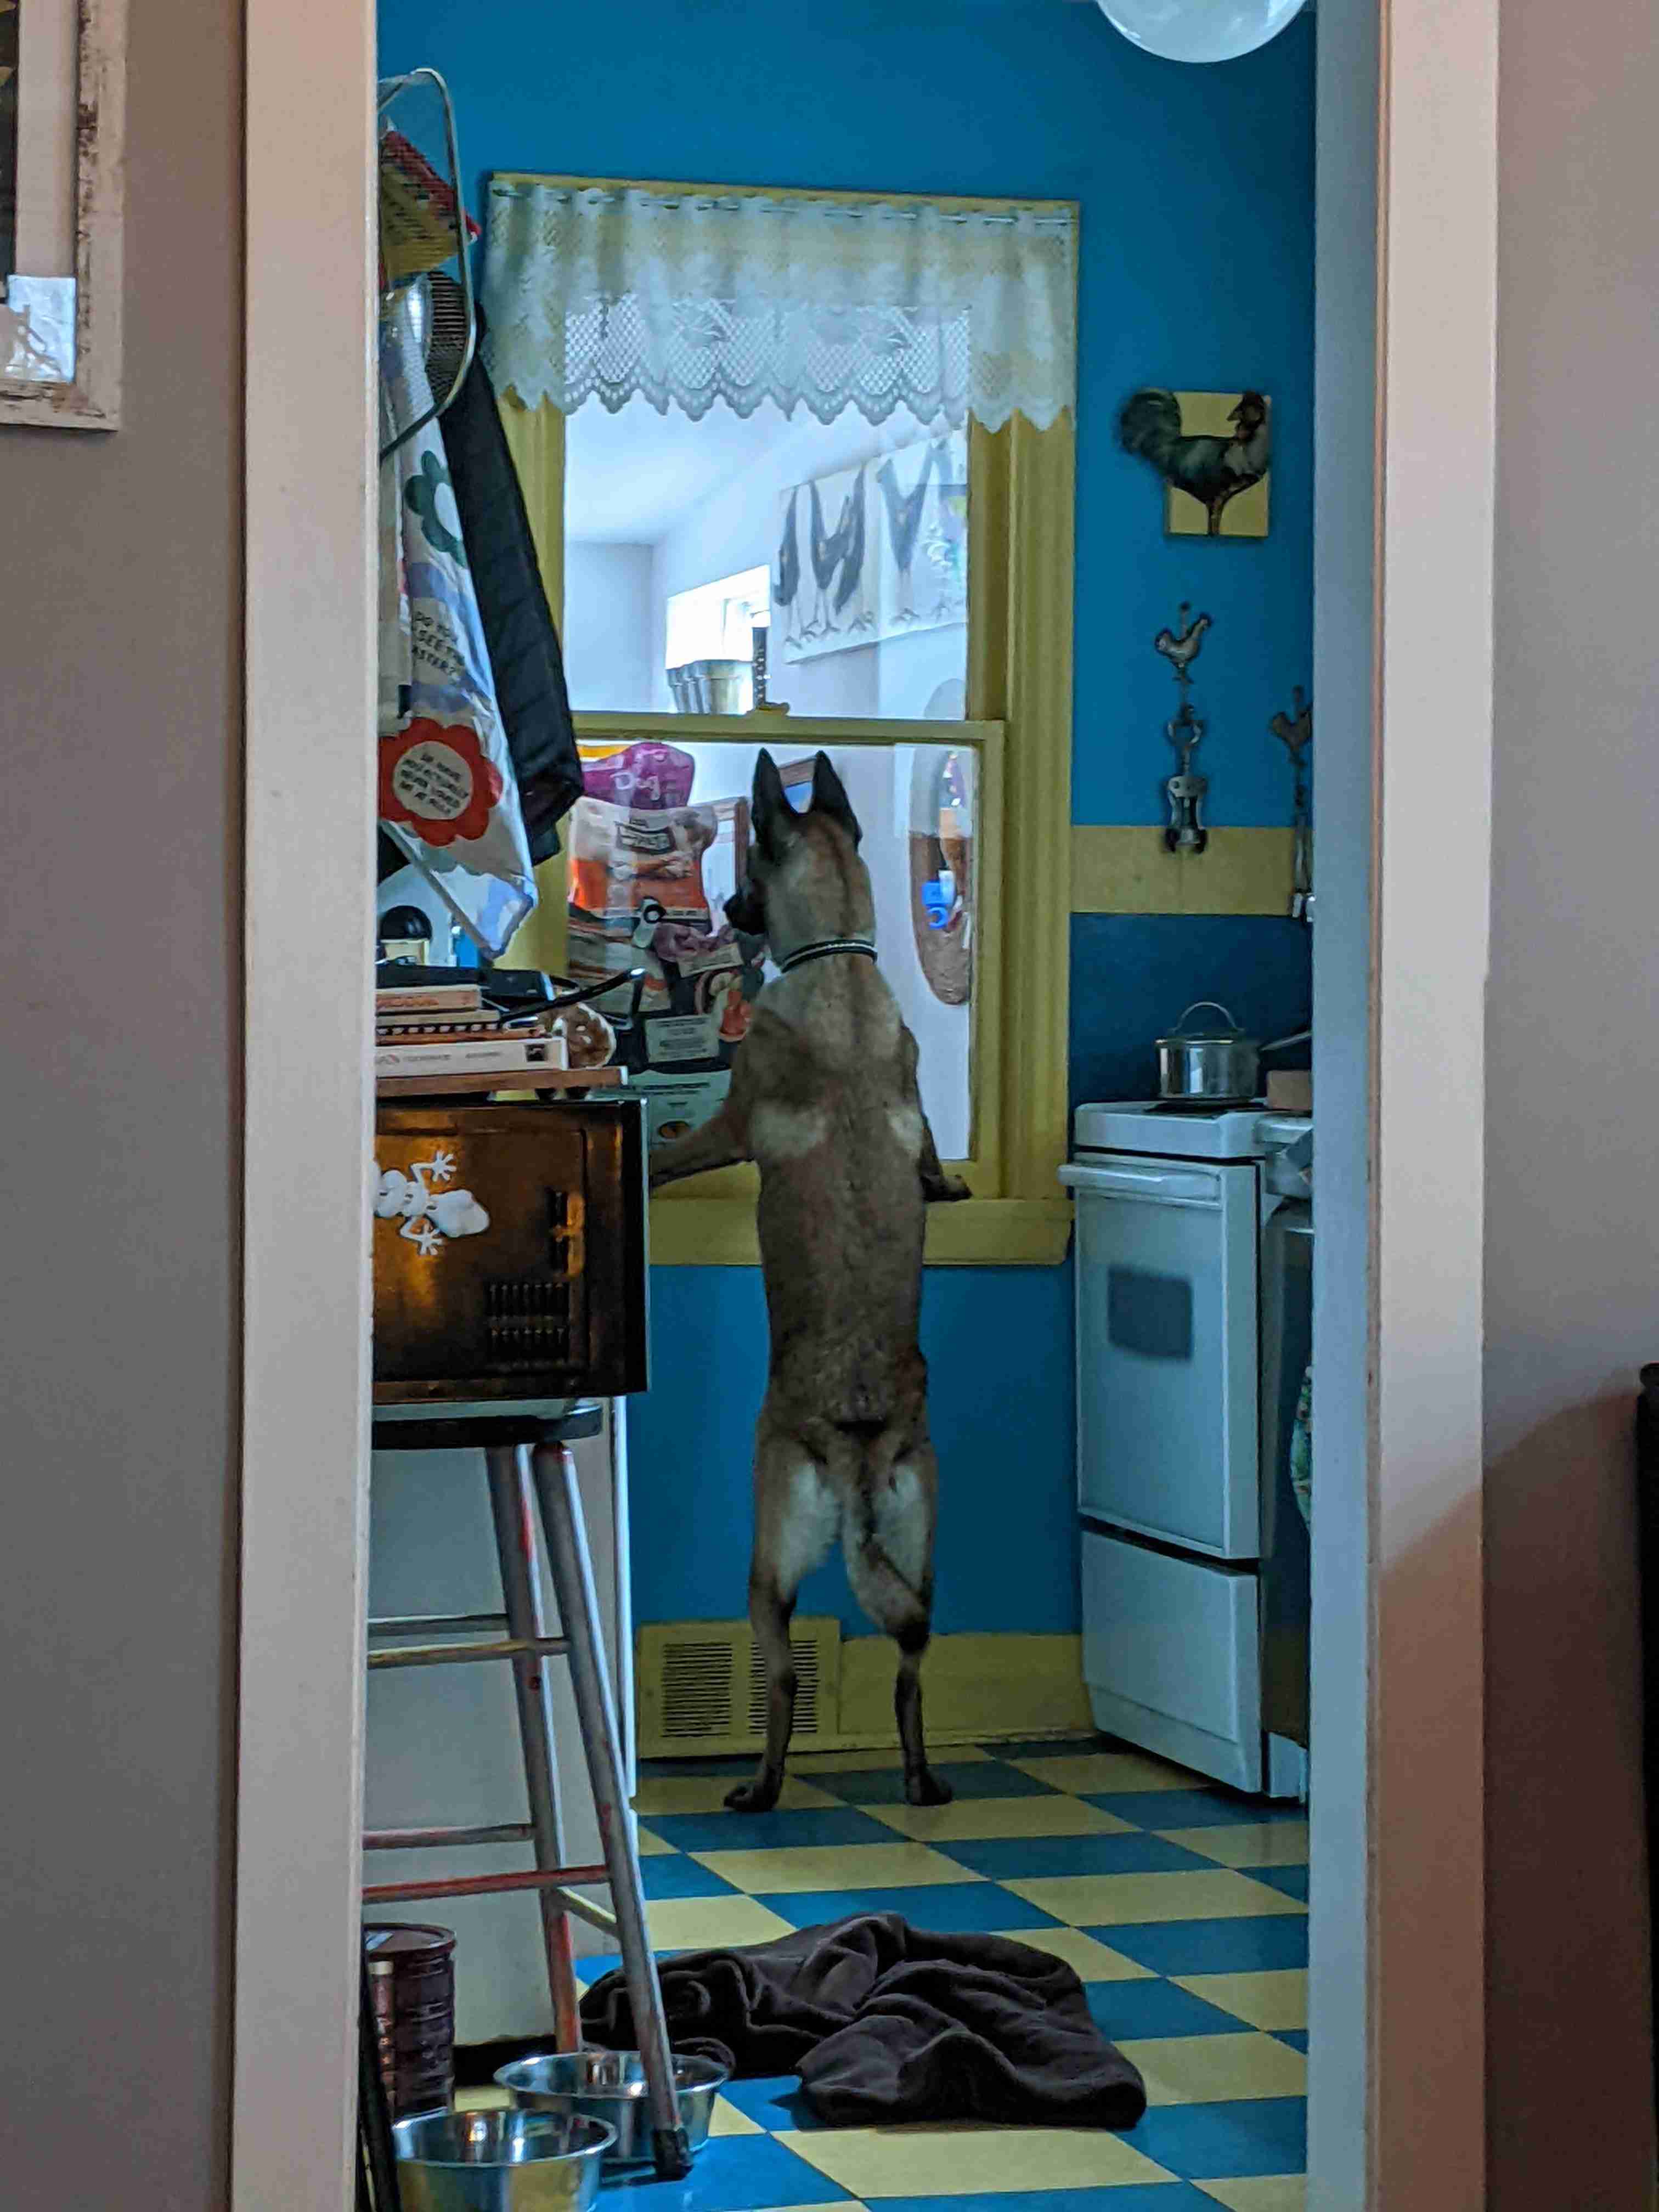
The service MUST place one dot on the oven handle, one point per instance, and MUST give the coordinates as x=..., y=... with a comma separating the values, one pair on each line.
x=1188, y=1186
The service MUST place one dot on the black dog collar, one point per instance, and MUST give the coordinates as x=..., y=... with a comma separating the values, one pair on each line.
x=826, y=949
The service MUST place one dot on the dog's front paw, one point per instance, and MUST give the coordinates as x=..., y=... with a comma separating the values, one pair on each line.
x=925, y=1788
x=757, y=1796
x=939, y=1190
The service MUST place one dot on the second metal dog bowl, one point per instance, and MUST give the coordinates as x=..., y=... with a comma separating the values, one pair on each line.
x=610, y=2086
x=499, y=2161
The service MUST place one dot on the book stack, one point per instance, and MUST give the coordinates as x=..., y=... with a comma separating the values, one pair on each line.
x=435, y=1038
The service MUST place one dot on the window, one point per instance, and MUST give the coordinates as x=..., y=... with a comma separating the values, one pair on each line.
x=934, y=669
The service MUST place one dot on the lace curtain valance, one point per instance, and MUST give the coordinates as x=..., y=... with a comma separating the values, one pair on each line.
x=687, y=298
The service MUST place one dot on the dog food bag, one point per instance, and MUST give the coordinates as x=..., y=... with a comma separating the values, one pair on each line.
x=629, y=870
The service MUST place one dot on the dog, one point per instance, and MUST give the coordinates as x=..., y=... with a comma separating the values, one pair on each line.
x=823, y=1098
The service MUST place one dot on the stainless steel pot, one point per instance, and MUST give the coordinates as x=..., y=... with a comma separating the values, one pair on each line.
x=1213, y=1065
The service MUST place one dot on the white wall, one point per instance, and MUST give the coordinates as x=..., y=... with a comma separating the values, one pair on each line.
x=1572, y=1194
x=736, y=527
x=610, y=663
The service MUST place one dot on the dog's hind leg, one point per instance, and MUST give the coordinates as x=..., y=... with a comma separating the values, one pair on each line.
x=796, y=1517
x=770, y=1612
x=890, y=1564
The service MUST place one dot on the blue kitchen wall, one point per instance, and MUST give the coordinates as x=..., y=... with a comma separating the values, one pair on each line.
x=1196, y=270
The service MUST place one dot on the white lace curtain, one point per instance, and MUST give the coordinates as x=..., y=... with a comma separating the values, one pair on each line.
x=685, y=299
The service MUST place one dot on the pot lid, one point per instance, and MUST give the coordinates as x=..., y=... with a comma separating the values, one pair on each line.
x=1207, y=1033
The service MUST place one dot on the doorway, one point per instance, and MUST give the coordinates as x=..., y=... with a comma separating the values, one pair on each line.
x=341, y=1605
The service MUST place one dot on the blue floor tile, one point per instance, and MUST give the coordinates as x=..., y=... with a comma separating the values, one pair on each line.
x=885, y=1785
x=733, y=2174
x=1201, y=2142
x=664, y=1876
x=1296, y=2037
x=1192, y=1809
x=589, y=1971
x=958, y=1908
x=778, y=2102
x=767, y=1831
x=1291, y=1881
x=1139, y=2197
x=1026, y=1858
x=1214, y=1946
x=1126, y=2011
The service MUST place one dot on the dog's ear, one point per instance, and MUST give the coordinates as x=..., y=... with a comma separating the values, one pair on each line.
x=773, y=818
x=830, y=797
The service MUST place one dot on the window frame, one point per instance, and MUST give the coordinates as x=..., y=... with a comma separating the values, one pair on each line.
x=1021, y=524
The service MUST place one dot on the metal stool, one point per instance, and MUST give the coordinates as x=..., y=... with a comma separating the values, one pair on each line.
x=528, y=1453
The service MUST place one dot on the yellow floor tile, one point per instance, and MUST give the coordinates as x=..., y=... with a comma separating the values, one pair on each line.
x=1265, y=2192
x=1105, y=1900
x=709, y=1924
x=982, y=1819
x=1216, y=2070
x=490, y=2099
x=1089, y=1960
x=842, y=1866
x=727, y=2120
x=1270, y=2000
x=1090, y=1773
x=971, y=2162
x=706, y=1793
x=652, y=1847
x=1274, y=1843
x=883, y=1759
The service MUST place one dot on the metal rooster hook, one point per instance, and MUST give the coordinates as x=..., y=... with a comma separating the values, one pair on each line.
x=1180, y=647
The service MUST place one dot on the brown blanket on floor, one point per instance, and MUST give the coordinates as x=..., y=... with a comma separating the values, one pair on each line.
x=886, y=2022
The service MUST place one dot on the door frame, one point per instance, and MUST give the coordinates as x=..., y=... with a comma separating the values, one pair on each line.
x=308, y=1131
x=1406, y=281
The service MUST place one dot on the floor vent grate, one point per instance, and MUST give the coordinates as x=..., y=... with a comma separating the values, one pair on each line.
x=701, y=1686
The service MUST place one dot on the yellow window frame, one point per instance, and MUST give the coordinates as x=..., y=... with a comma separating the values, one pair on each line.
x=1021, y=525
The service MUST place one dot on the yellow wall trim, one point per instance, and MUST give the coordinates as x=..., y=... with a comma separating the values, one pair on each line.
x=974, y=1689
x=1123, y=868
x=975, y=1232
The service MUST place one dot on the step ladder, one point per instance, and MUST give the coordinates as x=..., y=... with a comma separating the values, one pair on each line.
x=529, y=1463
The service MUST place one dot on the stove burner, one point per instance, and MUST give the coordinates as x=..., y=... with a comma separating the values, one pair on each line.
x=1202, y=1109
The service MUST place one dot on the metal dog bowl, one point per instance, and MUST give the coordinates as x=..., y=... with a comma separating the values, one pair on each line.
x=499, y=2161
x=610, y=2086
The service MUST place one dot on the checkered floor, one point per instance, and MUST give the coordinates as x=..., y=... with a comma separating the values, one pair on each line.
x=1181, y=1906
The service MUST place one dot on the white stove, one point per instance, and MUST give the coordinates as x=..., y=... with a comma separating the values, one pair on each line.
x=1178, y=1310
x=1177, y=1132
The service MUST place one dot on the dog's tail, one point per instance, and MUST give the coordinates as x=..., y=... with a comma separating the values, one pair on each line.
x=879, y=1584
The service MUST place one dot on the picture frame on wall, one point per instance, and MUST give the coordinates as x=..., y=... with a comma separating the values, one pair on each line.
x=63, y=70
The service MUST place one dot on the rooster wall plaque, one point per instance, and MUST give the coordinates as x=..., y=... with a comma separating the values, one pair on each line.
x=1212, y=450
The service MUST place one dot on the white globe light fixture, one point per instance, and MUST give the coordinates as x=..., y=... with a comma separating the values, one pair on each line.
x=1199, y=30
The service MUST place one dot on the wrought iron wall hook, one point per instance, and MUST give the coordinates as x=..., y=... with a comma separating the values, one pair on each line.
x=1186, y=832
x=1295, y=732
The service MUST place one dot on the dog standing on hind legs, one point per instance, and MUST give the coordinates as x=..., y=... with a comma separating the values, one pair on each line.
x=823, y=1098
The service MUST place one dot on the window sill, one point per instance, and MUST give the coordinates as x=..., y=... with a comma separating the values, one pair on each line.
x=975, y=1232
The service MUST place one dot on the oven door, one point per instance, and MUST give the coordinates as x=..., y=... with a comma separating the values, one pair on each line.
x=1167, y=1350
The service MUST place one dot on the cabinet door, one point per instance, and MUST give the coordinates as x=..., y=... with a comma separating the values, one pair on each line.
x=1166, y=1350
x=1170, y=1655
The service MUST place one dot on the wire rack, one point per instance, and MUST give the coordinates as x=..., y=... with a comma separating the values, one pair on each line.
x=424, y=225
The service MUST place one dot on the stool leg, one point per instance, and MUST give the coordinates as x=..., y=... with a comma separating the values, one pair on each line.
x=511, y=1503
x=572, y=1584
